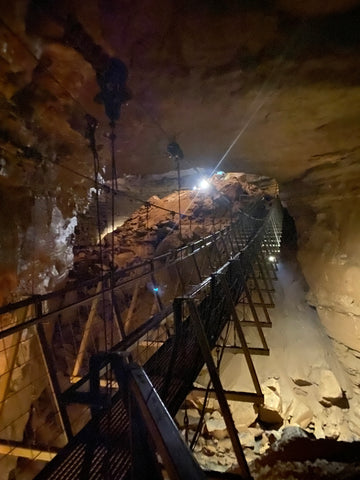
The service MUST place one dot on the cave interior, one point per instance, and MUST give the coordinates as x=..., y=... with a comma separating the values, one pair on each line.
x=129, y=129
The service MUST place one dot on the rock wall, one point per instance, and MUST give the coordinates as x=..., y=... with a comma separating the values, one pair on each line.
x=281, y=78
x=325, y=205
x=307, y=391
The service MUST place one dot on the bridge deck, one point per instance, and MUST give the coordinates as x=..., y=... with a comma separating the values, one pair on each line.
x=102, y=449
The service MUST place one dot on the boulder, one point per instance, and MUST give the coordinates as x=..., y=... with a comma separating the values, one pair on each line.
x=298, y=413
x=224, y=445
x=270, y=437
x=346, y=435
x=270, y=411
x=209, y=450
x=288, y=435
x=329, y=388
x=244, y=414
x=215, y=426
x=332, y=425
x=315, y=428
x=273, y=384
x=247, y=439
x=193, y=418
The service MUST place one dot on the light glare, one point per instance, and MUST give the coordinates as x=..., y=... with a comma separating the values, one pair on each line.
x=204, y=184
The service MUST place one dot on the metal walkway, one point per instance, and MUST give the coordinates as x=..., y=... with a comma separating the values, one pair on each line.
x=62, y=347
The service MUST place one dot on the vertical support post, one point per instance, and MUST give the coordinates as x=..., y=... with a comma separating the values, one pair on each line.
x=179, y=193
x=206, y=353
x=265, y=279
x=228, y=233
x=254, y=312
x=133, y=302
x=53, y=381
x=196, y=266
x=85, y=337
x=156, y=292
x=240, y=333
x=268, y=253
x=177, y=312
x=118, y=314
x=228, y=254
x=263, y=263
x=207, y=253
x=266, y=313
x=234, y=227
x=94, y=380
x=214, y=238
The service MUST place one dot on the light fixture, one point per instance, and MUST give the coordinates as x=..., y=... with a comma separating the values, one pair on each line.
x=272, y=258
x=204, y=184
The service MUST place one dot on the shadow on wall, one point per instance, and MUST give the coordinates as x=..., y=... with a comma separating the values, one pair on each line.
x=289, y=233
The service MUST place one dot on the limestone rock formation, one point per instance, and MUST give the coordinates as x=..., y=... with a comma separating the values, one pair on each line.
x=329, y=388
x=271, y=88
x=282, y=76
x=155, y=228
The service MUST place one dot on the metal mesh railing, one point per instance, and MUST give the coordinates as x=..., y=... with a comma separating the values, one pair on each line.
x=47, y=341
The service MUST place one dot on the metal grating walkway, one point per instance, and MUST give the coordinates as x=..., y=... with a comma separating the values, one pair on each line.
x=172, y=356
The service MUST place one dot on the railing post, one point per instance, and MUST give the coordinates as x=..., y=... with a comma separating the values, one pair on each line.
x=53, y=380
x=177, y=313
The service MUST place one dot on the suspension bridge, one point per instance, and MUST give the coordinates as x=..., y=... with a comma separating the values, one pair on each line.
x=87, y=392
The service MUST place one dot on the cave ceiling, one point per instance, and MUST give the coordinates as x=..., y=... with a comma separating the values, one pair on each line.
x=278, y=81
x=283, y=74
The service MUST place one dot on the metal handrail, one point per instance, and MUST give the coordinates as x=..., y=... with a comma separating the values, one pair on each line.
x=172, y=257
x=158, y=364
x=155, y=320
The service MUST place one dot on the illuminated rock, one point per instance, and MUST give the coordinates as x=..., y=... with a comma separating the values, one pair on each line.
x=329, y=388
x=271, y=411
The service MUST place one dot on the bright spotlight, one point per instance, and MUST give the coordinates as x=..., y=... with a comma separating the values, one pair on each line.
x=204, y=184
x=220, y=172
x=272, y=258
x=156, y=289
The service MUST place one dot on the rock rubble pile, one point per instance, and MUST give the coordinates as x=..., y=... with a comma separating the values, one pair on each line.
x=154, y=229
x=268, y=425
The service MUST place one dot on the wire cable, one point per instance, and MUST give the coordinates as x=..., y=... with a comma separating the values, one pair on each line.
x=113, y=189
x=96, y=183
x=154, y=120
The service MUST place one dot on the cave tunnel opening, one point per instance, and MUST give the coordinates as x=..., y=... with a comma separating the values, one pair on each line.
x=289, y=236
